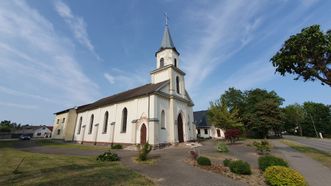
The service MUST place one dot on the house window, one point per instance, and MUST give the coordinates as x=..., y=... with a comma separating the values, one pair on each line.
x=38, y=134
x=162, y=120
x=198, y=131
x=57, y=121
x=79, y=125
x=177, y=84
x=63, y=120
x=105, y=122
x=91, y=124
x=58, y=131
x=161, y=62
x=124, y=119
x=175, y=62
x=206, y=131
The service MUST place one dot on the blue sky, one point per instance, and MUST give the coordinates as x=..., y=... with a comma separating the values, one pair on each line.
x=58, y=54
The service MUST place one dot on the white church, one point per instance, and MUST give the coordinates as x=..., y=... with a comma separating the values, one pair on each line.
x=159, y=113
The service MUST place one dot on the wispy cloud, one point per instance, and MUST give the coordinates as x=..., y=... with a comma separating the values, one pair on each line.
x=77, y=25
x=125, y=79
x=110, y=78
x=38, y=63
x=19, y=106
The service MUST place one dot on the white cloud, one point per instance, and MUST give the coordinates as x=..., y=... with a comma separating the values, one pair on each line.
x=76, y=24
x=110, y=78
x=125, y=79
x=37, y=62
x=19, y=106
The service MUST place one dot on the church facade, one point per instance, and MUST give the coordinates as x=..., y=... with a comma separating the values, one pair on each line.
x=160, y=112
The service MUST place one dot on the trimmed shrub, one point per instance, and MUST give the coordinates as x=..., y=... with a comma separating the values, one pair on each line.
x=240, y=167
x=221, y=147
x=226, y=162
x=267, y=161
x=203, y=160
x=108, y=156
x=232, y=135
x=143, y=151
x=279, y=176
x=116, y=146
x=262, y=147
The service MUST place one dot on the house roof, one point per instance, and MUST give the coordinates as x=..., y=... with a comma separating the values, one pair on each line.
x=200, y=119
x=130, y=94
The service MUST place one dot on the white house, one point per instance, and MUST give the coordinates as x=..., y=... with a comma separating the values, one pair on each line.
x=43, y=132
x=159, y=112
x=204, y=129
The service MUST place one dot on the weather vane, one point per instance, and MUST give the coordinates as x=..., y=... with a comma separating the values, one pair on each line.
x=166, y=18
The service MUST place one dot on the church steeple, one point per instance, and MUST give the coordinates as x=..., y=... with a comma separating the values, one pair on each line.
x=167, y=42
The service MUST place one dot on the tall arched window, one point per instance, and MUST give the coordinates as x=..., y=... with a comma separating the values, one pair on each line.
x=177, y=84
x=162, y=120
x=161, y=62
x=175, y=62
x=124, y=119
x=105, y=122
x=79, y=125
x=91, y=124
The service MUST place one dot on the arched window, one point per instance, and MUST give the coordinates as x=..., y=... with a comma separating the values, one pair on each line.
x=177, y=84
x=91, y=124
x=175, y=62
x=124, y=119
x=162, y=120
x=105, y=122
x=161, y=62
x=79, y=125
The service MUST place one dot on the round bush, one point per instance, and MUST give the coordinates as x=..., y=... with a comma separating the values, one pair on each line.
x=221, y=147
x=108, y=156
x=226, y=162
x=279, y=176
x=267, y=161
x=240, y=167
x=203, y=160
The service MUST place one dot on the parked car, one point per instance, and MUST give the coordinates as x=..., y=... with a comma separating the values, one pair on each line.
x=25, y=137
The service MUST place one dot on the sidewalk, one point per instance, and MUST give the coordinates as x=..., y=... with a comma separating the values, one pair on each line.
x=314, y=172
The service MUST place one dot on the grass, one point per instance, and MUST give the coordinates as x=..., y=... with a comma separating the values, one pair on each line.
x=53, y=143
x=321, y=156
x=45, y=169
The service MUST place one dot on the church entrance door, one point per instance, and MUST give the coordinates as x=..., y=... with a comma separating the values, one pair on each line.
x=180, y=129
x=143, y=131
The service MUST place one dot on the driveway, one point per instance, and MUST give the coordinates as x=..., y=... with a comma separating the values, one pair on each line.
x=320, y=144
x=169, y=169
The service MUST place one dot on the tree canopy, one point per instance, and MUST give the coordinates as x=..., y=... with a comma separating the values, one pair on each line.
x=307, y=55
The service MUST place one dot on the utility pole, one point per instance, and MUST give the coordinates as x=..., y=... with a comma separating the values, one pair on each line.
x=313, y=125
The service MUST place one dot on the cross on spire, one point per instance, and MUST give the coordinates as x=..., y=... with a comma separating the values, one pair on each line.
x=166, y=18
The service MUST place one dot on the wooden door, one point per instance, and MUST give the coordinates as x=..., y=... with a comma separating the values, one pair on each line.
x=180, y=129
x=143, y=131
x=218, y=133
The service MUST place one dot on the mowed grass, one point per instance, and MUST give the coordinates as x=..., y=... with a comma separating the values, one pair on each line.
x=45, y=169
x=54, y=143
x=321, y=156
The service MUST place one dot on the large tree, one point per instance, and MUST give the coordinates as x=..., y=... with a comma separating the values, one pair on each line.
x=307, y=55
x=234, y=99
x=294, y=116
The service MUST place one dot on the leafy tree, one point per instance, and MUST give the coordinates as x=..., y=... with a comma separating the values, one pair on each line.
x=294, y=116
x=7, y=126
x=220, y=116
x=306, y=54
x=234, y=99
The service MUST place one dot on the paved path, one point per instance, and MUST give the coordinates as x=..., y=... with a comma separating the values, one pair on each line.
x=170, y=168
x=321, y=144
x=314, y=172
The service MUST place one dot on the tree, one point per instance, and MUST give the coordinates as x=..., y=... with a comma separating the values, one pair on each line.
x=294, y=116
x=234, y=99
x=219, y=115
x=7, y=126
x=306, y=54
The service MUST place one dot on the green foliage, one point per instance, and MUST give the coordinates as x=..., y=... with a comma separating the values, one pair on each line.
x=279, y=176
x=240, y=167
x=267, y=161
x=220, y=116
x=143, y=151
x=108, y=156
x=294, y=115
x=203, y=160
x=222, y=147
x=116, y=146
x=262, y=147
x=307, y=55
x=227, y=162
x=7, y=126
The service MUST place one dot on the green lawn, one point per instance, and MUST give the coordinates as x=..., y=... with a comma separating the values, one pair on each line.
x=321, y=156
x=45, y=169
x=53, y=143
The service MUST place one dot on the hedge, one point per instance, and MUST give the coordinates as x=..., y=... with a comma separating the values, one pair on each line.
x=267, y=161
x=279, y=176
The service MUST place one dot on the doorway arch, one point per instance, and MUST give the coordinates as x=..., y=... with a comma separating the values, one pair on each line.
x=143, y=131
x=180, y=128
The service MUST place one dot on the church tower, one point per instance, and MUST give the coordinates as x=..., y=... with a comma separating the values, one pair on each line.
x=168, y=65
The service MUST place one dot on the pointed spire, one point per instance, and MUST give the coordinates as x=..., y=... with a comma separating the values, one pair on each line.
x=167, y=42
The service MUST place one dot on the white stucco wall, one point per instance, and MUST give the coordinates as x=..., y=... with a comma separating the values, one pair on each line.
x=43, y=131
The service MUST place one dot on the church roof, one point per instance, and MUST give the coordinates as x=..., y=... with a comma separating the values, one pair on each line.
x=167, y=42
x=123, y=96
x=200, y=119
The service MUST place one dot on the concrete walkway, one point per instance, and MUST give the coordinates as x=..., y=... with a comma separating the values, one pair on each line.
x=314, y=172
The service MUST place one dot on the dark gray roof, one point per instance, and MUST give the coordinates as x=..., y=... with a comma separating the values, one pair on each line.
x=123, y=96
x=167, y=42
x=200, y=119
